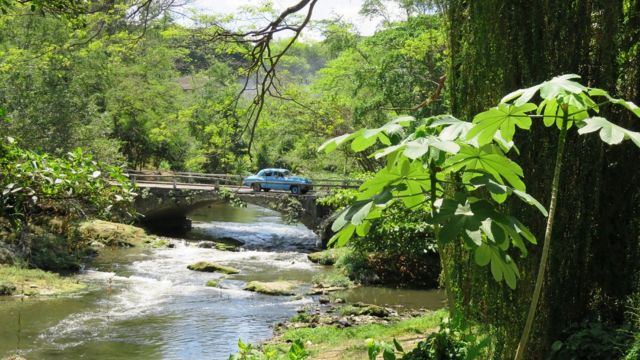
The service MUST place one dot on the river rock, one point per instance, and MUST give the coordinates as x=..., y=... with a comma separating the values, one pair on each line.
x=230, y=241
x=273, y=287
x=212, y=283
x=113, y=234
x=205, y=266
x=226, y=247
x=324, y=300
x=206, y=244
x=327, y=257
x=368, y=309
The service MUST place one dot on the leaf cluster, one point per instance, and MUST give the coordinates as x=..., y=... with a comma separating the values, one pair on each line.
x=464, y=170
x=74, y=186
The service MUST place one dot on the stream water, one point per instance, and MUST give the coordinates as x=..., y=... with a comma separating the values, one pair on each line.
x=146, y=304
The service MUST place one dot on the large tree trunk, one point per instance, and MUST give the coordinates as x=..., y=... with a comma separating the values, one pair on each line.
x=499, y=46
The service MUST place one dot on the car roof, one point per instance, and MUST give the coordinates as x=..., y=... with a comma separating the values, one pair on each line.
x=274, y=169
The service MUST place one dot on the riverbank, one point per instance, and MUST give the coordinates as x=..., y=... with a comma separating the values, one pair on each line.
x=34, y=282
x=336, y=342
x=51, y=250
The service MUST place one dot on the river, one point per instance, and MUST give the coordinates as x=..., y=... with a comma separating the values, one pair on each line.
x=146, y=304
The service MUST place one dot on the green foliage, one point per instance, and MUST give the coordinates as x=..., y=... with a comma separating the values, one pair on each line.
x=248, y=352
x=592, y=340
x=230, y=197
x=453, y=341
x=419, y=166
x=421, y=163
x=335, y=278
x=73, y=186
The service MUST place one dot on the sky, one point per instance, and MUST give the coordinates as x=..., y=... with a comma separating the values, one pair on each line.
x=324, y=9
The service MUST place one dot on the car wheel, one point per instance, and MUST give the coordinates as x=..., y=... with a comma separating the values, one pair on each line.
x=266, y=190
x=295, y=190
x=304, y=191
x=255, y=187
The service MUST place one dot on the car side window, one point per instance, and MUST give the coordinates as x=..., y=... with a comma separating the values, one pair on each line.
x=279, y=174
x=267, y=173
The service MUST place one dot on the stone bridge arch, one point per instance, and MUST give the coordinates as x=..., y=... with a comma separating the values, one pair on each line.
x=166, y=209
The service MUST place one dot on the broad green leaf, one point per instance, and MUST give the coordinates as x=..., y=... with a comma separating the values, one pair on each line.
x=332, y=144
x=531, y=201
x=361, y=214
x=559, y=84
x=490, y=160
x=388, y=150
x=482, y=255
x=456, y=129
x=403, y=120
x=342, y=238
x=626, y=104
x=503, y=118
x=340, y=221
x=609, y=132
x=449, y=232
x=364, y=228
x=496, y=266
x=548, y=89
x=509, y=275
x=418, y=147
x=363, y=142
x=473, y=236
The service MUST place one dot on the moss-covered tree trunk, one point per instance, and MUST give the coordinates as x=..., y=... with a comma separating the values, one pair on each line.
x=499, y=46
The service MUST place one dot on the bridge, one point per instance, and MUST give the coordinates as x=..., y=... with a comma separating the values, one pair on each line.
x=167, y=197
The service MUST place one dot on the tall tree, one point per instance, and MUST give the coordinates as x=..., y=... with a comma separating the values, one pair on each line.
x=593, y=259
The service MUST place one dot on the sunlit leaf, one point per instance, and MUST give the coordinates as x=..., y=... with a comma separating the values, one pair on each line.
x=503, y=118
x=609, y=132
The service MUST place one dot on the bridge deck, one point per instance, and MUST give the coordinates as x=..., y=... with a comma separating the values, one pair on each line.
x=196, y=181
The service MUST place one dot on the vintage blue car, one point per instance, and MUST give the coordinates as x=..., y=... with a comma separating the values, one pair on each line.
x=278, y=179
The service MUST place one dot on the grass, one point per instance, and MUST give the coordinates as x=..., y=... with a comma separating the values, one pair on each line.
x=330, y=342
x=39, y=282
x=334, y=278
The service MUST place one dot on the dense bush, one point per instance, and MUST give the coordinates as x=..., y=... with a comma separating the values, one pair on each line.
x=399, y=249
x=454, y=341
x=74, y=186
x=592, y=340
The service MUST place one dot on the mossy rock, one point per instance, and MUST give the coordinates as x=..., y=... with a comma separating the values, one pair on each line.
x=273, y=287
x=226, y=247
x=113, y=234
x=212, y=283
x=366, y=309
x=205, y=266
x=162, y=244
x=229, y=241
x=322, y=258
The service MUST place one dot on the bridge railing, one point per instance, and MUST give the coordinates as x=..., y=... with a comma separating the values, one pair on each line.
x=190, y=178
